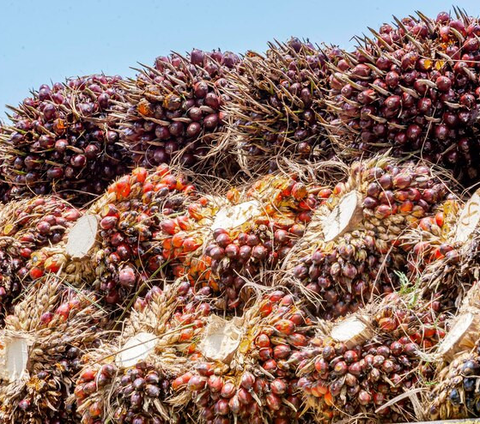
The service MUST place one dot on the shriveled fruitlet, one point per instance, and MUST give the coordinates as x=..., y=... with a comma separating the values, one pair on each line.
x=63, y=135
x=173, y=109
x=130, y=379
x=119, y=241
x=277, y=106
x=246, y=370
x=351, y=249
x=412, y=88
x=25, y=226
x=221, y=241
x=40, y=349
x=356, y=365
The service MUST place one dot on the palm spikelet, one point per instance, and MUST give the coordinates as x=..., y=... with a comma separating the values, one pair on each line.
x=61, y=136
x=26, y=226
x=128, y=379
x=40, y=348
x=277, y=106
x=413, y=88
x=361, y=224
x=370, y=365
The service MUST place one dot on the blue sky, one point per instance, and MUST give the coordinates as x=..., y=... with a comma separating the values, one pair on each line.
x=44, y=41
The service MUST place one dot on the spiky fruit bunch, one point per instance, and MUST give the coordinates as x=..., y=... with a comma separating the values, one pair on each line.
x=224, y=241
x=456, y=395
x=361, y=223
x=40, y=349
x=246, y=371
x=413, y=88
x=117, y=241
x=26, y=226
x=129, y=379
x=63, y=135
x=173, y=108
x=277, y=105
x=357, y=365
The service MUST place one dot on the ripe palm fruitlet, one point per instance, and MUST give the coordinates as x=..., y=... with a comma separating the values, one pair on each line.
x=277, y=106
x=130, y=378
x=62, y=136
x=246, y=370
x=223, y=241
x=173, y=109
x=412, y=89
x=25, y=226
x=356, y=365
x=351, y=250
x=40, y=349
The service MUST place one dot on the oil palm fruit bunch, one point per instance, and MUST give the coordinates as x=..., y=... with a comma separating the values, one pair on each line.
x=40, y=349
x=351, y=250
x=246, y=370
x=61, y=136
x=277, y=105
x=223, y=241
x=116, y=239
x=129, y=379
x=412, y=88
x=457, y=393
x=173, y=109
x=25, y=226
x=356, y=365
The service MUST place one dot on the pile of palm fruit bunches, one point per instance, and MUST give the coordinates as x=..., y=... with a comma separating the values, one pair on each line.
x=286, y=237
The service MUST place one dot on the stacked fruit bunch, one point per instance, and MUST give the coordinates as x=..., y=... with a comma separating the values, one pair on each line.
x=361, y=222
x=25, y=226
x=63, y=135
x=224, y=241
x=116, y=240
x=130, y=379
x=40, y=349
x=173, y=109
x=356, y=366
x=414, y=87
x=277, y=105
x=246, y=370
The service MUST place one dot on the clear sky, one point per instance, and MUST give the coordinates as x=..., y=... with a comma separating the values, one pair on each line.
x=47, y=40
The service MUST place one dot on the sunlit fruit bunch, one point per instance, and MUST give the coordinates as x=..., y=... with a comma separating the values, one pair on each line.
x=225, y=241
x=40, y=349
x=351, y=249
x=129, y=379
x=173, y=108
x=277, y=105
x=26, y=226
x=61, y=136
x=413, y=88
x=250, y=374
x=358, y=364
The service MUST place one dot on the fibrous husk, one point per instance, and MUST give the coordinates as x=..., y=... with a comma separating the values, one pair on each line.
x=351, y=249
x=40, y=348
x=25, y=226
x=224, y=240
x=173, y=111
x=412, y=88
x=62, y=136
x=370, y=365
x=129, y=377
x=277, y=105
